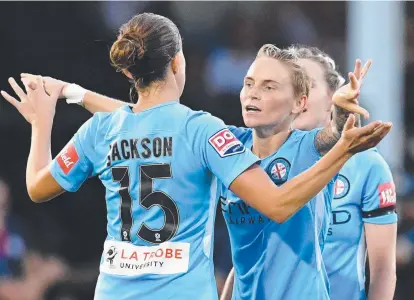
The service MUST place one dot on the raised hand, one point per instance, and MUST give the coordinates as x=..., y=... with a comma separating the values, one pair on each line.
x=50, y=84
x=347, y=96
x=35, y=104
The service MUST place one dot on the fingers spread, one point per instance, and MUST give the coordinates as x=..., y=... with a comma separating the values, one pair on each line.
x=357, y=68
x=354, y=81
x=17, y=89
x=365, y=69
x=13, y=101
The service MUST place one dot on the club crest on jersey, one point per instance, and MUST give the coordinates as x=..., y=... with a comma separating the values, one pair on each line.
x=341, y=188
x=279, y=170
x=225, y=143
x=68, y=158
x=387, y=194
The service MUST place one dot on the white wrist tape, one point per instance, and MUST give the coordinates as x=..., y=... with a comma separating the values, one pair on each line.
x=74, y=94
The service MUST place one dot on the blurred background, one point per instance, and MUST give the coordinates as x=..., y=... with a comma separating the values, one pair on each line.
x=52, y=251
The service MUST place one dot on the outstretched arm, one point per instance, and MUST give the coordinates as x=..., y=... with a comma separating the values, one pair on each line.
x=94, y=102
x=44, y=177
x=280, y=203
x=91, y=101
x=40, y=115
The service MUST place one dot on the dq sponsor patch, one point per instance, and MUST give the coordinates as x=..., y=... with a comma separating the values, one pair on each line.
x=225, y=143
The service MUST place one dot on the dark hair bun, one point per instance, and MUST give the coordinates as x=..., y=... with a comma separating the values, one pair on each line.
x=126, y=50
x=145, y=47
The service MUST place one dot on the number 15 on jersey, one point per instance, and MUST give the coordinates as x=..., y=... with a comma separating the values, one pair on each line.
x=147, y=199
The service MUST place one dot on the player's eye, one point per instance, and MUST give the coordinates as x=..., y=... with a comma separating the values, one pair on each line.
x=269, y=88
x=248, y=84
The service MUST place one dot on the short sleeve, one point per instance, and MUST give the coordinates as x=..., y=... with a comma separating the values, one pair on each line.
x=217, y=147
x=379, y=196
x=71, y=167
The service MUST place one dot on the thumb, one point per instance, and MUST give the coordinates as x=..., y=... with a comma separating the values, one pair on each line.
x=350, y=123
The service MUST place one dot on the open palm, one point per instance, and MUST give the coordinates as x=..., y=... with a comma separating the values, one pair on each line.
x=358, y=139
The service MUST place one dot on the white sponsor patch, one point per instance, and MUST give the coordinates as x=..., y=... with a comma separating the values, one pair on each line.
x=126, y=259
x=387, y=194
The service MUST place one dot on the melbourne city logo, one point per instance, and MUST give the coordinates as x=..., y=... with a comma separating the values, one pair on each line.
x=279, y=170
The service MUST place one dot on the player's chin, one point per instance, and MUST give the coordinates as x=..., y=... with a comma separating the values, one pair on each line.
x=253, y=121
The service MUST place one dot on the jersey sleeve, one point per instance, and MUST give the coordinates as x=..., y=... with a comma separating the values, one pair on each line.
x=378, y=194
x=218, y=149
x=71, y=167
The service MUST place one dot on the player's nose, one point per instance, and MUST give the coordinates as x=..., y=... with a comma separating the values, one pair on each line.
x=253, y=94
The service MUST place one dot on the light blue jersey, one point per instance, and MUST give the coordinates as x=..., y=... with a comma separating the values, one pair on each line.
x=364, y=193
x=279, y=261
x=159, y=169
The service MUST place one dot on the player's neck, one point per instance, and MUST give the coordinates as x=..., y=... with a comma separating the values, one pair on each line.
x=156, y=96
x=267, y=141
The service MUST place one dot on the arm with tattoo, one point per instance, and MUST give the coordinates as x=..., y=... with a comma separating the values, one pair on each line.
x=328, y=136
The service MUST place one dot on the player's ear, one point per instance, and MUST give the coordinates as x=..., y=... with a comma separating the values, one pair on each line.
x=175, y=64
x=300, y=105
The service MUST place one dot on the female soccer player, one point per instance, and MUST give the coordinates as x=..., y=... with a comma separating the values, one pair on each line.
x=199, y=269
x=282, y=261
x=363, y=195
x=363, y=210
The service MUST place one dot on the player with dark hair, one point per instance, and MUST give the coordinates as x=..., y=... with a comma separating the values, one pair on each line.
x=163, y=154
